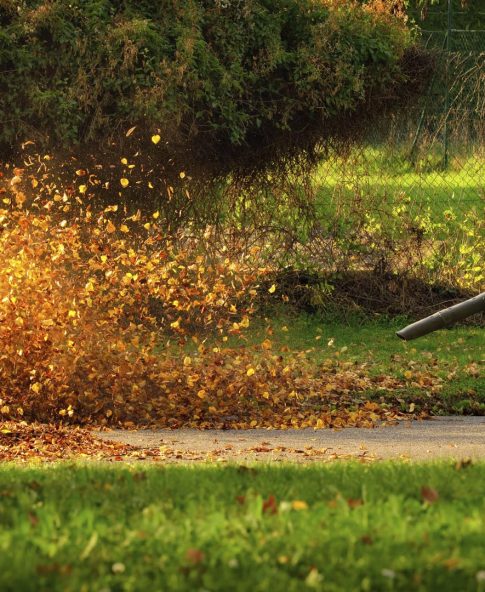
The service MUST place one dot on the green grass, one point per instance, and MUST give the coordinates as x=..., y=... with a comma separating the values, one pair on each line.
x=385, y=179
x=453, y=355
x=74, y=527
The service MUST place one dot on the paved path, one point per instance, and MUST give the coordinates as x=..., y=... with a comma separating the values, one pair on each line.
x=444, y=437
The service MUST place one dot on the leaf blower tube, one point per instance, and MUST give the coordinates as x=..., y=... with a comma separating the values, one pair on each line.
x=444, y=318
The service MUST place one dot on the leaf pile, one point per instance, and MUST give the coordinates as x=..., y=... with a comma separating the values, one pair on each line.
x=20, y=441
x=106, y=320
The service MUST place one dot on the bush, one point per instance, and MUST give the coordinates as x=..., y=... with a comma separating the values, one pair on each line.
x=227, y=85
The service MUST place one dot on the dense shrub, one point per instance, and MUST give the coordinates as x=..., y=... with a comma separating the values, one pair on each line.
x=226, y=84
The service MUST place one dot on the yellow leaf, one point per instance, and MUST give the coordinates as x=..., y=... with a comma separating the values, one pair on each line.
x=182, y=175
x=19, y=321
x=72, y=314
x=20, y=198
x=124, y=161
x=36, y=387
x=245, y=322
x=201, y=394
x=250, y=371
x=110, y=227
x=299, y=505
x=82, y=188
x=155, y=139
x=124, y=228
x=187, y=361
x=156, y=215
x=124, y=182
x=272, y=290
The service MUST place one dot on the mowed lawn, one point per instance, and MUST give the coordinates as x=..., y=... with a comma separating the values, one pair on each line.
x=339, y=527
x=387, y=179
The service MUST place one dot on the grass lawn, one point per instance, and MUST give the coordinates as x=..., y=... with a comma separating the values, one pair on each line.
x=455, y=355
x=460, y=188
x=334, y=527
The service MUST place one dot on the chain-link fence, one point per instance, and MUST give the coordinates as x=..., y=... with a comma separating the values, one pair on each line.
x=409, y=202
x=435, y=153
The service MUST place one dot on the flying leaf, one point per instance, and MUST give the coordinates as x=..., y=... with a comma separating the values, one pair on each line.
x=110, y=227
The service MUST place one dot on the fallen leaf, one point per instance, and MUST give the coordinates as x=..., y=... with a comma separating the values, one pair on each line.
x=270, y=505
x=429, y=495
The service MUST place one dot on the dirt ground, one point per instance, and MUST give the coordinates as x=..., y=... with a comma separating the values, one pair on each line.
x=445, y=437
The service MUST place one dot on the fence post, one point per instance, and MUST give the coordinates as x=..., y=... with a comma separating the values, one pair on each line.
x=447, y=96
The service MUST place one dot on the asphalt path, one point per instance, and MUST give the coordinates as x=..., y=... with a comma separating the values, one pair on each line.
x=444, y=437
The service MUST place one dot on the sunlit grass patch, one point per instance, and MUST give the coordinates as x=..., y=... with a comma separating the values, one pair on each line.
x=334, y=527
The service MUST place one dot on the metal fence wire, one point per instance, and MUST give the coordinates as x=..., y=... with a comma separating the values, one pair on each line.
x=435, y=153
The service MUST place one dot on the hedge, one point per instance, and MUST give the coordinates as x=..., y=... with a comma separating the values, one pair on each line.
x=227, y=84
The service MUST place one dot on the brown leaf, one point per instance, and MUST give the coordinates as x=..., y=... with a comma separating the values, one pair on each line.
x=463, y=464
x=270, y=505
x=429, y=495
x=355, y=503
x=194, y=556
x=33, y=519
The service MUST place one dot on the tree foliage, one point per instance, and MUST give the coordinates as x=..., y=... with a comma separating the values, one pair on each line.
x=227, y=84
